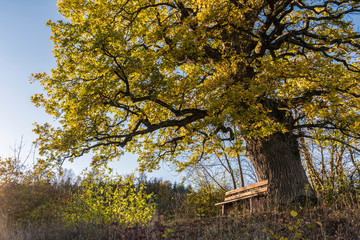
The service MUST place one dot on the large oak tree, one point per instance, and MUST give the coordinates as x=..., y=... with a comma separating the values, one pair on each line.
x=169, y=79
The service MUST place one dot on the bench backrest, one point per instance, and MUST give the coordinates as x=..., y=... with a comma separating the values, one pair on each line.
x=247, y=191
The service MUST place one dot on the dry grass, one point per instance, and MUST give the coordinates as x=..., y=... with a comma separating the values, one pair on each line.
x=316, y=223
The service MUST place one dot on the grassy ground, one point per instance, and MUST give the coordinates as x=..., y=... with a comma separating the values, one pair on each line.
x=316, y=223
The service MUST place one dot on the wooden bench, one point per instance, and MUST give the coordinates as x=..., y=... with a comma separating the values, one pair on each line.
x=254, y=192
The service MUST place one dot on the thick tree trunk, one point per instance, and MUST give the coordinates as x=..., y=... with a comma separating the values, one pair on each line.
x=277, y=158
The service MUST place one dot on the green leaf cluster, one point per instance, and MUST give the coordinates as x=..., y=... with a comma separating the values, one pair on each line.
x=103, y=199
x=162, y=78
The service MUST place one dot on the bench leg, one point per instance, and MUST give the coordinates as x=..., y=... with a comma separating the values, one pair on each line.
x=226, y=208
x=251, y=206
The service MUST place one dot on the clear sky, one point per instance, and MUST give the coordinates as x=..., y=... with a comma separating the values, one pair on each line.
x=25, y=48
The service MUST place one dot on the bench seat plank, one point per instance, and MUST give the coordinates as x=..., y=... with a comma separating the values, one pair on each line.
x=246, y=194
x=236, y=199
x=251, y=186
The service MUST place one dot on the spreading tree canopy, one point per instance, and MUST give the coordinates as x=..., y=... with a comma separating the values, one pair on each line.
x=172, y=79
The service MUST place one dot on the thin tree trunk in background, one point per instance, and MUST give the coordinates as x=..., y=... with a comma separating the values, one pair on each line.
x=227, y=168
x=332, y=167
x=231, y=171
x=357, y=167
x=314, y=175
x=339, y=163
x=240, y=170
x=323, y=171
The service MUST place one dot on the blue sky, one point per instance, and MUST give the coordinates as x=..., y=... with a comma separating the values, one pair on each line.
x=25, y=48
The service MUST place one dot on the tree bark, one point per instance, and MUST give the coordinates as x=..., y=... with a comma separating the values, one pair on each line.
x=277, y=158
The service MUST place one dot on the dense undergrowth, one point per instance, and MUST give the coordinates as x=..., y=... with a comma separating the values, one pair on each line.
x=129, y=208
x=103, y=205
x=315, y=223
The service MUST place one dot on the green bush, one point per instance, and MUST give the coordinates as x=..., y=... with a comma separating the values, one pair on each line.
x=102, y=199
